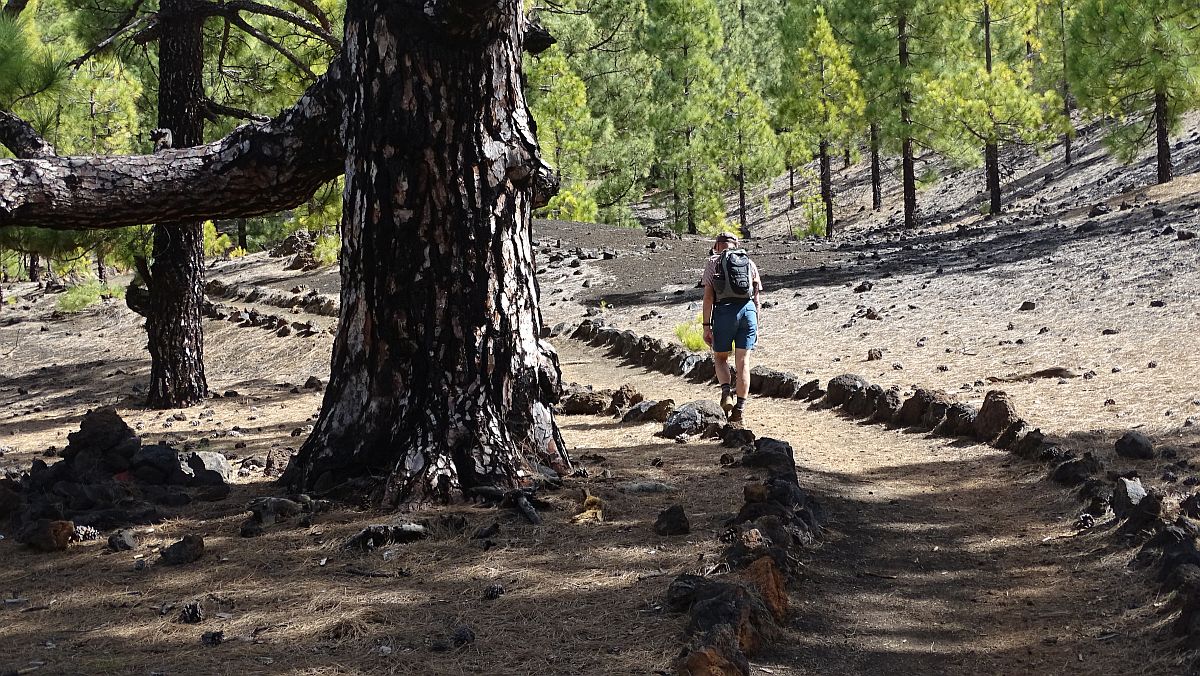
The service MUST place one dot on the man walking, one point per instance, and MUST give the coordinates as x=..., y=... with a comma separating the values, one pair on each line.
x=731, y=291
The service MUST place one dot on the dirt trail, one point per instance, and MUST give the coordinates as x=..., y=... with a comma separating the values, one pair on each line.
x=943, y=557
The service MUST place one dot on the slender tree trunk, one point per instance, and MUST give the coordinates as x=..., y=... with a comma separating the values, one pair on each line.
x=34, y=268
x=101, y=269
x=439, y=382
x=991, y=150
x=742, y=200
x=876, y=177
x=241, y=232
x=791, y=186
x=826, y=188
x=1066, y=90
x=1162, y=136
x=176, y=284
x=846, y=157
x=908, y=165
x=691, y=201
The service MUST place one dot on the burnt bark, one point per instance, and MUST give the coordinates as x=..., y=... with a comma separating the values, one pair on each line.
x=1162, y=133
x=908, y=165
x=241, y=234
x=991, y=150
x=21, y=139
x=256, y=170
x=34, y=268
x=826, y=187
x=439, y=381
x=176, y=284
x=791, y=187
x=876, y=178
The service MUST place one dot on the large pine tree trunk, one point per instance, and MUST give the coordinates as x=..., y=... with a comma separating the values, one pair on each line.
x=908, y=165
x=176, y=284
x=876, y=178
x=439, y=381
x=1162, y=133
x=826, y=188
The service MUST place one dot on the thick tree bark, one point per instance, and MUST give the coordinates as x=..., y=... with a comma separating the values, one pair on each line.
x=908, y=165
x=21, y=139
x=176, y=284
x=241, y=234
x=826, y=187
x=439, y=382
x=876, y=178
x=256, y=170
x=1162, y=133
x=34, y=268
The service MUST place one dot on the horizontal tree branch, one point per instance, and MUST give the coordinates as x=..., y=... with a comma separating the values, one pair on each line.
x=255, y=170
x=21, y=139
x=283, y=15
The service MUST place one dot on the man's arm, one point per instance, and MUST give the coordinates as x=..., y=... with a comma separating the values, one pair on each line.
x=706, y=313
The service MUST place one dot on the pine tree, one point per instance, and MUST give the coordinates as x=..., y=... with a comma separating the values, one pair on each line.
x=986, y=97
x=822, y=99
x=1054, y=20
x=1137, y=61
x=684, y=36
x=747, y=142
x=558, y=100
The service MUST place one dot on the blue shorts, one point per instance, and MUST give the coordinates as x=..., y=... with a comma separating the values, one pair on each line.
x=734, y=325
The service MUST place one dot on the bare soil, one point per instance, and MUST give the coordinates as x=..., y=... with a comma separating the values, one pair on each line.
x=941, y=557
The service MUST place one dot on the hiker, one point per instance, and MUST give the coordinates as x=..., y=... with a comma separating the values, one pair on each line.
x=731, y=290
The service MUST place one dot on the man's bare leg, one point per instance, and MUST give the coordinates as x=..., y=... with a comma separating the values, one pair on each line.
x=742, y=359
x=721, y=366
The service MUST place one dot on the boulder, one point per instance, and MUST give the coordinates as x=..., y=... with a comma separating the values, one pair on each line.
x=960, y=420
x=1076, y=470
x=936, y=411
x=912, y=411
x=624, y=398
x=99, y=431
x=692, y=418
x=996, y=416
x=1127, y=493
x=862, y=402
x=842, y=388
x=187, y=550
x=1134, y=444
x=585, y=402
x=672, y=521
x=887, y=405
x=123, y=540
x=162, y=461
x=47, y=535
x=208, y=469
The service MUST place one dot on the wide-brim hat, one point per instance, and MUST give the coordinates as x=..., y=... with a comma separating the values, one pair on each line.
x=727, y=237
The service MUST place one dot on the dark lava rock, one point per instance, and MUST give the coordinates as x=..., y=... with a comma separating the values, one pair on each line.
x=864, y=287
x=1127, y=493
x=862, y=402
x=649, y=411
x=583, y=402
x=692, y=419
x=192, y=613
x=1134, y=444
x=47, y=535
x=996, y=416
x=1077, y=470
x=1027, y=306
x=213, y=638
x=960, y=420
x=462, y=635
x=672, y=521
x=208, y=468
x=493, y=592
x=874, y=354
x=812, y=306
x=1099, y=210
x=842, y=388
x=123, y=540
x=887, y=405
x=187, y=550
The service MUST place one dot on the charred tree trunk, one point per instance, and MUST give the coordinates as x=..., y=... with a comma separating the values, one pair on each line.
x=1066, y=89
x=876, y=178
x=742, y=200
x=908, y=165
x=791, y=187
x=1162, y=132
x=176, y=283
x=34, y=268
x=846, y=157
x=826, y=188
x=439, y=380
x=991, y=150
x=101, y=269
x=241, y=234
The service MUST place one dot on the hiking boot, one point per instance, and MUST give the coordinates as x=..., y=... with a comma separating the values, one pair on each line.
x=735, y=416
x=727, y=402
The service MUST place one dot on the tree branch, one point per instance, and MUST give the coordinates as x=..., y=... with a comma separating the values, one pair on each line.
x=284, y=15
x=215, y=110
x=238, y=21
x=127, y=23
x=14, y=7
x=20, y=137
x=257, y=169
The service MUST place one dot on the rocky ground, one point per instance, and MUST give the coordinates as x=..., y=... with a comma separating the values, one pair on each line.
x=937, y=555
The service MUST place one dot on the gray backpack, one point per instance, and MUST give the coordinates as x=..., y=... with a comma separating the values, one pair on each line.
x=732, y=279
